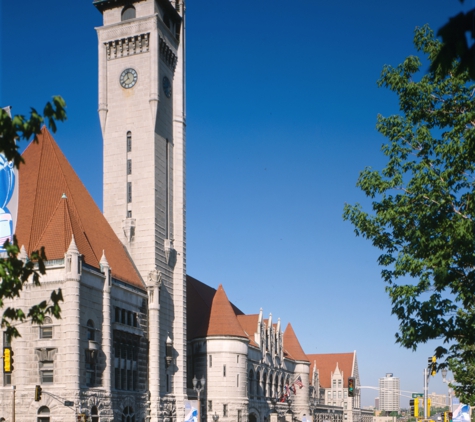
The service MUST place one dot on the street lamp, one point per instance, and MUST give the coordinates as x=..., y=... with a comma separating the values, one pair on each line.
x=448, y=382
x=198, y=386
x=215, y=417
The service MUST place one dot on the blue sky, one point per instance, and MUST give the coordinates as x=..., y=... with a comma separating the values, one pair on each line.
x=281, y=111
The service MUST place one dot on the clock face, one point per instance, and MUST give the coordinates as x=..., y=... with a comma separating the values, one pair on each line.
x=128, y=78
x=167, y=87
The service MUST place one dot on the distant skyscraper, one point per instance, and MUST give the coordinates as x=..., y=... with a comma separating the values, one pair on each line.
x=376, y=403
x=389, y=393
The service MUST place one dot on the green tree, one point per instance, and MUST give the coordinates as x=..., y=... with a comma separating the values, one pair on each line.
x=14, y=272
x=423, y=209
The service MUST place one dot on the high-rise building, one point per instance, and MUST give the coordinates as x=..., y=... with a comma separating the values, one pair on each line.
x=389, y=393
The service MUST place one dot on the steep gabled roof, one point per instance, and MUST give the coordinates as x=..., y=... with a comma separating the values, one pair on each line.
x=292, y=345
x=54, y=205
x=326, y=363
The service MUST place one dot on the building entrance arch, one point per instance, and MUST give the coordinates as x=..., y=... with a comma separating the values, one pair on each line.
x=253, y=417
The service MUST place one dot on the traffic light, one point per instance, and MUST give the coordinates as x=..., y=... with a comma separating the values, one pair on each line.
x=428, y=407
x=351, y=386
x=414, y=407
x=38, y=391
x=432, y=365
x=449, y=416
x=446, y=416
x=7, y=360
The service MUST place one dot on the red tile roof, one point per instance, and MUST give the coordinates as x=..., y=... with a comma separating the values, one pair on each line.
x=199, y=300
x=223, y=321
x=46, y=218
x=249, y=325
x=292, y=345
x=326, y=363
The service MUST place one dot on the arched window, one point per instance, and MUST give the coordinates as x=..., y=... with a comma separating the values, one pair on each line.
x=94, y=414
x=270, y=385
x=90, y=330
x=43, y=414
x=128, y=415
x=128, y=12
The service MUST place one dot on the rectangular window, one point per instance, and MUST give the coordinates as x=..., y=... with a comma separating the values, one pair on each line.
x=129, y=141
x=210, y=361
x=117, y=379
x=329, y=394
x=90, y=368
x=6, y=340
x=339, y=383
x=239, y=419
x=237, y=360
x=345, y=393
x=225, y=410
x=334, y=383
x=334, y=394
x=46, y=372
x=129, y=166
x=237, y=380
x=129, y=192
x=339, y=394
x=224, y=370
x=210, y=405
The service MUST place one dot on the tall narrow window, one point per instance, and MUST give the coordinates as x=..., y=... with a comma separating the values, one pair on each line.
x=210, y=361
x=46, y=330
x=94, y=414
x=129, y=192
x=129, y=166
x=129, y=141
x=167, y=183
x=224, y=370
x=91, y=334
x=239, y=416
x=225, y=410
x=237, y=380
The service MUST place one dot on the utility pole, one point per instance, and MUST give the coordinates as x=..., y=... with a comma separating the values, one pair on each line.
x=426, y=391
x=13, y=403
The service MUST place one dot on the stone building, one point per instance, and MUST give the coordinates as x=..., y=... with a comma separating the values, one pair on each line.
x=134, y=329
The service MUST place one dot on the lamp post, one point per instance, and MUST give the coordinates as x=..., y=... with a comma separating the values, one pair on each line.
x=444, y=379
x=215, y=417
x=313, y=405
x=198, y=386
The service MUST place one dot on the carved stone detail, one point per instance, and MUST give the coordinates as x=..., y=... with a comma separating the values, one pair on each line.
x=129, y=46
x=167, y=54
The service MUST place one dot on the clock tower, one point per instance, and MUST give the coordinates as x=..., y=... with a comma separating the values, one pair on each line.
x=142, y=117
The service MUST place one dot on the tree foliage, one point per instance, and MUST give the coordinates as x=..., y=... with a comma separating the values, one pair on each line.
x=423, y=209
x=14, y=271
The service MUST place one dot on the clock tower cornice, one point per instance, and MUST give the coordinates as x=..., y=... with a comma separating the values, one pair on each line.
x=171, y=8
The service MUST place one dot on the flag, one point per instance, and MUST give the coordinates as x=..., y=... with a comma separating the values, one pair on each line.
x=293, y=389
x=299, y=382
x=286, y=390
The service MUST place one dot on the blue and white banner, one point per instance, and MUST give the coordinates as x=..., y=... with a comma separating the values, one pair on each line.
x=191, y=411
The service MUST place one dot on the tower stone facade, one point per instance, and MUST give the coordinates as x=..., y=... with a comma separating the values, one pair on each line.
x=142, y=115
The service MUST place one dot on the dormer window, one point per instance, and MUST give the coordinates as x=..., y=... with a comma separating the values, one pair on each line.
x=128, y=13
